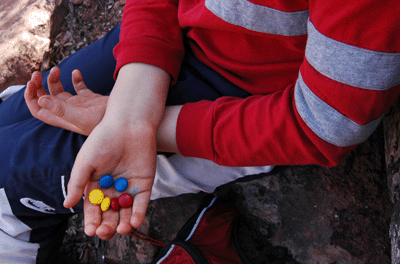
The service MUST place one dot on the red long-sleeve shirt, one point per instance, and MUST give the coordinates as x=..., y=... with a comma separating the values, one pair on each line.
x=322, y=73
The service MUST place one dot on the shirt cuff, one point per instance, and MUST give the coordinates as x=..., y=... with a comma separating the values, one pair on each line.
x=150, y=51
x=194, y=133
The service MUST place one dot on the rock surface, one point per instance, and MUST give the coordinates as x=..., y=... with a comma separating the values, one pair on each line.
x=322, y=215
x=392, y=152
x=26, y=32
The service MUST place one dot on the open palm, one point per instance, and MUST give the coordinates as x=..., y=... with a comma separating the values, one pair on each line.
x=79, y=113
x=128, y=152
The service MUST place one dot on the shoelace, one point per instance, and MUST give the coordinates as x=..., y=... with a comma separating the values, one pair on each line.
x=148, y=239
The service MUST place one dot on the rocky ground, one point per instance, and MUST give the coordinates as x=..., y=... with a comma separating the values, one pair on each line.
x=86, y=22
x=315, y=215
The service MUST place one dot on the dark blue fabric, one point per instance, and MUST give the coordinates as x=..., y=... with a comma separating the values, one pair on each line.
x=197, y=82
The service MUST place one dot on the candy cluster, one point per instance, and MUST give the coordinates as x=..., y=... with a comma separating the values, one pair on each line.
x=125, y=200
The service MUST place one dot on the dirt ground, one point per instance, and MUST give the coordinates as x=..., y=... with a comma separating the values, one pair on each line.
x=84, y=24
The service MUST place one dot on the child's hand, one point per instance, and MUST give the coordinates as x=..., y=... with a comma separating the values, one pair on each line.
x=123, y=144
x=79, y=113
x=121, y=151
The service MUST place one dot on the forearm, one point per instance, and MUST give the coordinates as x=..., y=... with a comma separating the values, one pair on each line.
x=166, y=134
x=150, y=33
x=139, y=95
x=138, y=98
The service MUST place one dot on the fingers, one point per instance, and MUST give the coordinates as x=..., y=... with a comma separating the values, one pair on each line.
x=80, y=174
x=58, y=112
x=54, y=83
x=36, y=78
x=124, y=226
x=89, y=162
x=141, y=201
x=106, y=224
x=54, y=105
x=102, y=224
x=92, y=216
x=77, y=81
x=53, y=111
x=33, y=91
x=109, y=224
x=59, y=108
x=30, y=96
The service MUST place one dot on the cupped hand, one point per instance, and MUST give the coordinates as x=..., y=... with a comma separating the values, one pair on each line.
x=79, y=113
x=124, y=150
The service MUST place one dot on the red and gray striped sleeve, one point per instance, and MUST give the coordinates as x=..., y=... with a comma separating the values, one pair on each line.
x=150, y=33
x=351, y=72
x=349, y=77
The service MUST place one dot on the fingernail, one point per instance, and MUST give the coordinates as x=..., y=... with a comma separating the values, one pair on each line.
x=90, y=230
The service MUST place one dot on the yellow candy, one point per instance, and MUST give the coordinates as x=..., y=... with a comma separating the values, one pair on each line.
x=96, y=196
x=105, y=204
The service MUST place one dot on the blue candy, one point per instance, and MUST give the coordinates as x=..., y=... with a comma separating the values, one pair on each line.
x=121, y=184
x=106, y=181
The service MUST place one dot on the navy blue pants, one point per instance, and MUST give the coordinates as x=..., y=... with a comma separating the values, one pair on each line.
x=36, y=159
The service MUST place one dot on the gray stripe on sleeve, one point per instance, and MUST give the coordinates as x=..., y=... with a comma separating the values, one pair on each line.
x=260, y=18
x=327, y=122
x=352, y=65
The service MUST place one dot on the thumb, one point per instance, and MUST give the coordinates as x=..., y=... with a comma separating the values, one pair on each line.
x=54, y=105
x=60, y=109
x=80, y=176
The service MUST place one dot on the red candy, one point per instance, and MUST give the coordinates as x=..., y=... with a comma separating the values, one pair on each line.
x=114, y=204
x=125, y=200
